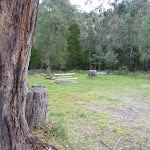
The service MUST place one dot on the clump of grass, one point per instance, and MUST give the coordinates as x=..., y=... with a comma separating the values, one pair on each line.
x=81, y=114
x=56, y=129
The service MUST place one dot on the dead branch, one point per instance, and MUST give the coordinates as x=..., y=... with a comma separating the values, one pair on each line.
x=117, y=143
x=105, y=144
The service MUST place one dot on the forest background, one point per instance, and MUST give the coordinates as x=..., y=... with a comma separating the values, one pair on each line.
x=117, y=38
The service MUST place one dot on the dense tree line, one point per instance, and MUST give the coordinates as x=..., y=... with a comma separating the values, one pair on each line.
x=116, y=38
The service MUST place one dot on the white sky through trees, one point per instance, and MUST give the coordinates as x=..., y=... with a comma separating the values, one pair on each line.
x=95, y=3
x=89, y=7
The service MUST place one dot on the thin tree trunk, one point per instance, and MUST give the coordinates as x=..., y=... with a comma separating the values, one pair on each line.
x=42, y=63
x=17, y=24
x=130, y=59
x=90, y=65
x=90, y=60
x=49, y=68
x=144, y=65
x=99, y=65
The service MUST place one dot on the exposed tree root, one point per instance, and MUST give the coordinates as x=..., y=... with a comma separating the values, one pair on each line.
x=44, y=146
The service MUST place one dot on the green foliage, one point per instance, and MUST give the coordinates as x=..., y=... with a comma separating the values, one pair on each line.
x=54, y=129
x=111, y=58
x=76, y=57
x=52, y=31
x=34, y=59
x=117, y=28
x=98, y=57
x=67, y=39
x=144, y=38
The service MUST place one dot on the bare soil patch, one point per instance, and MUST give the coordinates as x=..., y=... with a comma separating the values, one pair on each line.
x=145, y=75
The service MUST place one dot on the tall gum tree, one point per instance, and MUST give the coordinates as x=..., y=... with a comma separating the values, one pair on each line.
x=17, y=24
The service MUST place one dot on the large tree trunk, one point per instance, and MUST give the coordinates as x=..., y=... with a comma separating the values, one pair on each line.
x=17, y=24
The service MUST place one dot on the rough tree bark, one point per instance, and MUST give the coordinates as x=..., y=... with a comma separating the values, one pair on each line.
x=17, y=24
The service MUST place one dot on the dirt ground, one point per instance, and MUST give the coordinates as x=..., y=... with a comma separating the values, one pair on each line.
x=135, y=114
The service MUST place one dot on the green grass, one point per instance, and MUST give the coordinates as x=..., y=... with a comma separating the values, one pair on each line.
x=82, y=114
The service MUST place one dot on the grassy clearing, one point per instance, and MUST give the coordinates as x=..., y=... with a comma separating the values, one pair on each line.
x=83, y=114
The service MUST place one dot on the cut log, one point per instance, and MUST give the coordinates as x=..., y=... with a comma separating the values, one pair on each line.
x=37, y=106
x=92, y=73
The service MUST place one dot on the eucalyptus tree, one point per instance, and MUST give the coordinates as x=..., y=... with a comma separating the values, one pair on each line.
x=88, y=35
x=117, y=28
x=91, y=44
x=144, y=40
x=111, y=59
x=76, y=55
x=131, y=14
x=52, y=30
x=98, y=57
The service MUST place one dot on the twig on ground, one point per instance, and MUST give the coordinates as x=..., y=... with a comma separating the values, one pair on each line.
x=117, y=143
x=105, y=144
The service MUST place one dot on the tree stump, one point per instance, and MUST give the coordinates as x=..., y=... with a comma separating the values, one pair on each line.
x=92, y=73
x=37, y=106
